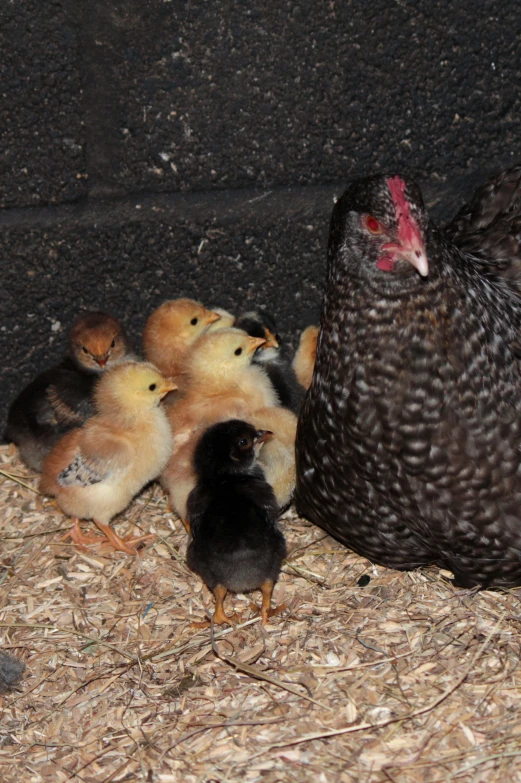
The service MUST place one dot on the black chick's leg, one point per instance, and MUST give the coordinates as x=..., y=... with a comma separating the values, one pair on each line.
x=266, y=610
x=219, y=616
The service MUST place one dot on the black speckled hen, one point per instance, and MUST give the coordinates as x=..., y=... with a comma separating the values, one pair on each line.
x=409, y=439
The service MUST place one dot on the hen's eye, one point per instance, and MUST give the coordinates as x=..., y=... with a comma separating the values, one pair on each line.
x=372, y=225
x=152, y=387
x=84, y=349
x=238, y=351
x=194, y=321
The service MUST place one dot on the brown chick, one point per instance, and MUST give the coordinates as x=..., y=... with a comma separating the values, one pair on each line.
x=304, y=361
x=95, y=471
x=222, y=383
x=277, y=457
x=172, y=330
x=60, y=398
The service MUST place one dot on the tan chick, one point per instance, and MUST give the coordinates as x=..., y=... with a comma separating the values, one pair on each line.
x=304, y=361
x=172, y=330
x=222, y=383
x=95, y=471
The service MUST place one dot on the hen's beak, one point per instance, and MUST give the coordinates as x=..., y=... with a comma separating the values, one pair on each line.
x=412, y=251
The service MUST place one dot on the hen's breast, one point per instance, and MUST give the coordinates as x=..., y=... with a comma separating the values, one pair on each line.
x=408, y=440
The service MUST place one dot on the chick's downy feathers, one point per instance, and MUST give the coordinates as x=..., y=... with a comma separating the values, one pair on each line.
x=408, y=444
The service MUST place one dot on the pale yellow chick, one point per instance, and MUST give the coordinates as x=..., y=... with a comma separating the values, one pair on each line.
x=95, y=471
x=172, y=330
x=304, y=361
x=222, y=383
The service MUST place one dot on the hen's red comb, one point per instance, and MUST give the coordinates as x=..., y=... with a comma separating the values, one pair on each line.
x=407, y=227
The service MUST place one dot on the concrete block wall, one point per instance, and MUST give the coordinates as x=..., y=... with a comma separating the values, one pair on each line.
x=158, y=148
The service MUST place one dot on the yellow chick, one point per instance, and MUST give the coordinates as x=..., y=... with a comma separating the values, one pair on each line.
x=172, y=330
x=304, y=361
x=220, y=376
x=95, y=471
x=222, y=383
x=277, y=457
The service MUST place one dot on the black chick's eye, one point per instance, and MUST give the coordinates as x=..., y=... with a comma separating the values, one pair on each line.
x=238, y=351
x=113, y=343
x=194, y=321
x=84, y=349
x=152, y=387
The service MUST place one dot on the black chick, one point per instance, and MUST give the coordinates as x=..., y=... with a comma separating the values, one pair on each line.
x=232, y=512
x=60, y=398
x=273, y=357
x=489, y=226
x=408, y=443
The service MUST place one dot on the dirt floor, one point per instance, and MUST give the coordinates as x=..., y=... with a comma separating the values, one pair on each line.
x=367, y=675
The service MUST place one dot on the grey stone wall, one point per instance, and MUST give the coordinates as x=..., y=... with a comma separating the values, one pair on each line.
x=157, y=148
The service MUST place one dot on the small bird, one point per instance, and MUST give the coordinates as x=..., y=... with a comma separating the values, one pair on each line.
x=304, y=361
x=273, y=357
x=171, y=331
x=95, y=471
x=61, y=397
x=236, y=543
x=489, y=226
x=220, y=376
x=277, y=458
x=221, y=383
x=408, y=442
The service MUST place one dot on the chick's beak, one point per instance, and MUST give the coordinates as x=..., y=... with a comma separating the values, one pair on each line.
x=166, y=388
x=255, y=342
x=212, y=317
x=101, y=360
x=271, y=340
x=262, y=436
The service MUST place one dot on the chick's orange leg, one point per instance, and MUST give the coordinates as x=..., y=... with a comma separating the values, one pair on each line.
x=219, y=616
x=119, y=543
x=77, y=536
x=266, y=610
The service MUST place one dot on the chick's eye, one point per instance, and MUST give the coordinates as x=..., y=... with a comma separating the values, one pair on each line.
x=152, y=387
x=194, y=321
x=238, y=351
x=113, y=343
x=372, y=225
x=84, y=349
x=243, y=443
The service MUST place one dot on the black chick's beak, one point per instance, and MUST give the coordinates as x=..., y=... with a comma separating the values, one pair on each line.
x=261, y=436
